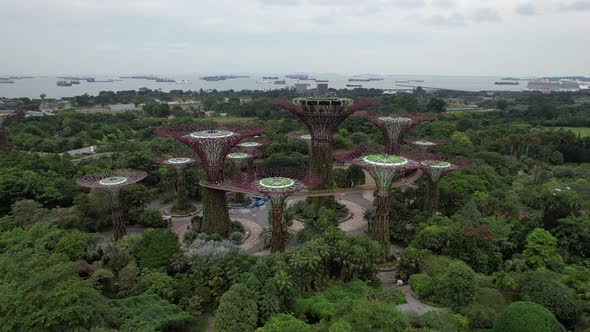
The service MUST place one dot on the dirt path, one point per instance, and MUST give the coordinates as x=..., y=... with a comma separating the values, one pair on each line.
x=357, y=222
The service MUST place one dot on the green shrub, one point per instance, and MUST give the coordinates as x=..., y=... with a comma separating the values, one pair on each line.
x=421, y=284
x=546, y=289
x=490, y=297
x=447, y=322
x=237, y=312
x=411, y=262
x=236, y=237
x=152, y=218
x=480, y=317
x=434, y=265
x=284, y=323
x=157, y=248
x=374, y=316
x=457, y=287
x=149, y=312
x=527, y=317
x=73, y=244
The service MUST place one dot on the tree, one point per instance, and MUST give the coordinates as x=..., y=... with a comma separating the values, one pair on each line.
x=149, y=312
x=284, y=323
x=356, y=175
x=545, y=289
x=73, y=244
x=541, y=249
x=526, y=317
x=157, y=248
x=237, y=311
x=40, y=290
x=43, y=96
x=436, y=105
x=457, y=287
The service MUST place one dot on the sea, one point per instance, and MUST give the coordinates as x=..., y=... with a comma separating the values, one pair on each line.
x=34, y=87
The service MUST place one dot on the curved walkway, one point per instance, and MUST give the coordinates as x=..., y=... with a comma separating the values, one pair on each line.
x=357, y=224
x=255, y=233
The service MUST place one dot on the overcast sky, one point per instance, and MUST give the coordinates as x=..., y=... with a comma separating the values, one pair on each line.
x=438, y=37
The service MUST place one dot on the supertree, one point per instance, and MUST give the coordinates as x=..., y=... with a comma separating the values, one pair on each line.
x=276, y=184
x=112, y=182
x=424, y=145
x=252, y=147
x=238, y=159
x=179, y=163
x=435, y=166
x=322, y=116
x=301, y=136
x=212, y=144
x=4, y=117
x=394, y=126
x=384, y=169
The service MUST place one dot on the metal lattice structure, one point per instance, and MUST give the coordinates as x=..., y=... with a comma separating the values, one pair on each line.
x=301, y=136
x=435, y=166
x=394, y=126
x=179, y=163
x=322, y=116
x=4, y=117
x=424, y=145
x=384, y=169
x=212, y=143
x=277, y=184
x=112, y=182
x=251, y=146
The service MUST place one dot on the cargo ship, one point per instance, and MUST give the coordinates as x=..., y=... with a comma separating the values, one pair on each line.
x=506, y=83
x=6, y=80
x=354, y=85
x=64, y=83
x=279, y=82
x=270, y=78
x=298, y=76
x=165, y=80
x=221, y=77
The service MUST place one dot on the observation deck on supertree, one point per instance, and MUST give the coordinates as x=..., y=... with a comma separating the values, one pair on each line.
x=424, y=145
x=238, y=159
x=178, y=162
x=212, y=143
x=112, y=182
x=252, y=147
x=276, y=184
x=435, y=166
x=394, y=126
x=322, y=116
x=384, y=169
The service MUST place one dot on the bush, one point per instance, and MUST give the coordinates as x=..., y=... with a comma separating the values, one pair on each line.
x=545, y=289
x=374, y=316
x=152, y=218
x=209, y=249
x=457, y=287
x=412, y=260
x=490, y=297
x=421, y=285
x=480, y=317
x=284, y=323
x=527, y=317
x=73, y=244
x=157, y=248
x=149, y=312
x=447, y=322
x=236, y=237
x=237, y=312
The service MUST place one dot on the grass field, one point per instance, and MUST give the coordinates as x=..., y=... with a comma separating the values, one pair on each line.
x=583, y=131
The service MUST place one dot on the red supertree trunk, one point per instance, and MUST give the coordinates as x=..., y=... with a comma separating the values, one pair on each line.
x=180, y=189
x=380, y=229
x=117, y=216
x=277, y=243
x=3, y=139
x=321, y=164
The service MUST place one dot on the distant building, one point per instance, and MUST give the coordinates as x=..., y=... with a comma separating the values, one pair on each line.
x=554, y=86
x=245, y=100
x=301, y=88
x=322, y=89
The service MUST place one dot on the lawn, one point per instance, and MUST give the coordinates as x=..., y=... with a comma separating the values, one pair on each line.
x=583, y=131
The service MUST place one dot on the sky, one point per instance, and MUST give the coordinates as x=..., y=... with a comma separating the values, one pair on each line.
x=405, y=37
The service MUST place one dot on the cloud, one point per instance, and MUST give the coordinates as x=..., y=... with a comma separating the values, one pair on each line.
x=581, y=5
x=486, y=15
x=451, y=20
x=526, y=9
